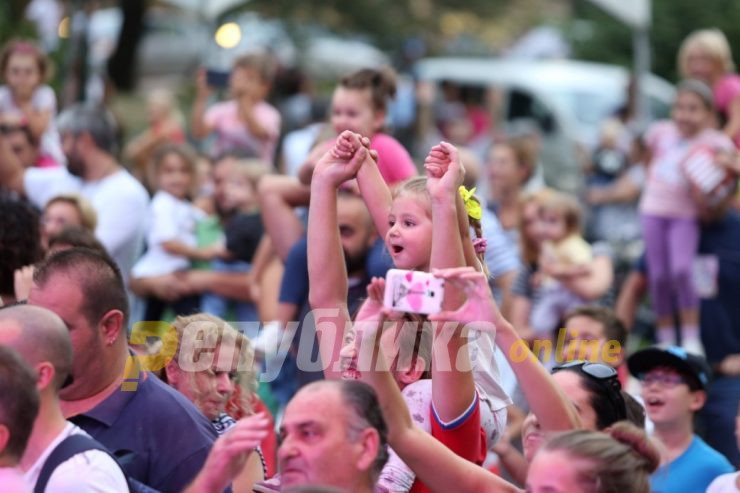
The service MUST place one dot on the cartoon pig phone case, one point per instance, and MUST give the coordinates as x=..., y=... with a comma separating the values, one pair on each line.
x=413, y=291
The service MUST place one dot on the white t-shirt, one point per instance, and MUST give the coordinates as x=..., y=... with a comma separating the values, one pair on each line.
x=170, y=218
x=91, y=471
x=11, y=479
x=726, y=483
x=482, y=349
x=42, y=99
x=119, y=200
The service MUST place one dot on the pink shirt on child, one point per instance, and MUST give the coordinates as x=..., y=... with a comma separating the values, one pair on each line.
x=725, y=92
x=394, y=161
x=667, y=192
x=232, y=133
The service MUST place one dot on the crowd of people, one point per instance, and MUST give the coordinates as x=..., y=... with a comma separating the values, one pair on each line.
x=205, y=308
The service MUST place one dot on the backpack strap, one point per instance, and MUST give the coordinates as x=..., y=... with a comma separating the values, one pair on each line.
x=67, y=448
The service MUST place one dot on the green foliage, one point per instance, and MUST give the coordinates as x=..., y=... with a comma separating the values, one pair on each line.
x=611, y=41
x=387, y=23
x=12, y=21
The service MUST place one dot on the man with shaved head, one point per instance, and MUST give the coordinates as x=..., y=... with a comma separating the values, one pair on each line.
x=42, y=340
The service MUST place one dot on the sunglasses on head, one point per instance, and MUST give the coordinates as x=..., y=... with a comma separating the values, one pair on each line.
x=607, y=377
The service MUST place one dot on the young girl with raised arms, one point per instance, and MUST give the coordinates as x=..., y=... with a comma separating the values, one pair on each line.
x=460, y=401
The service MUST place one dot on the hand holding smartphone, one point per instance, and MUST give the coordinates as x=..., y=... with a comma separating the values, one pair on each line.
x=413, y=292
x=218, y=79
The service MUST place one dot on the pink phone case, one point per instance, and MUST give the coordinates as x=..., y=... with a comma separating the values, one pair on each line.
x=413, y=291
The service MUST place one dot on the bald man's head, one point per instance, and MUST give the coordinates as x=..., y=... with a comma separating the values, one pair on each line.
x=38, y=335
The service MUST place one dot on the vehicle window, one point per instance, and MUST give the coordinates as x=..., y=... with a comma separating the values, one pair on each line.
x=523, y=105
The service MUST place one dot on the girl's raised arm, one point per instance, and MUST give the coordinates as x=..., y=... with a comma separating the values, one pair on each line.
x=375, y=192
x=453, y=388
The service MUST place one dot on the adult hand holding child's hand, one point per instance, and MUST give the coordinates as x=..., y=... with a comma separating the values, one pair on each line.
x=343, y=160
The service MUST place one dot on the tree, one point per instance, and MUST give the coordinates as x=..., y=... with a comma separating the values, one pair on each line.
x=610, y=41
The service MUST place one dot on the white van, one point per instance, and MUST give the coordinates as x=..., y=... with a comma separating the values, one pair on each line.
x=568, y=100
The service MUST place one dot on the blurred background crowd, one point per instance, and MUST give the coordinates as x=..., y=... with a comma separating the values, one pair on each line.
x=180, y=137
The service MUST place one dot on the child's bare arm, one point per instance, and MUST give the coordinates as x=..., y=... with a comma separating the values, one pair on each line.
x=278, y=196
x=375, y=192
x=453, y=388
x=38, y=121
x=176, y=247
x=198, y=126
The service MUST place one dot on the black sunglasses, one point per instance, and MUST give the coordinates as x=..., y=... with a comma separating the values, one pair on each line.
x=607, y=377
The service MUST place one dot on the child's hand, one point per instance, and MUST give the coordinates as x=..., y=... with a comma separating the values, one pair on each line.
x=479, y=311
x=342, y=161
x=213, y=252
x=729, y=160
x=444, y=170
x=201, y=84
x=373, y=305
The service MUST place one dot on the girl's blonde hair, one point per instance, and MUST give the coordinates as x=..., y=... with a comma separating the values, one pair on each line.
x=618, y=460
x=713, y=42
x=214, y=333
x=88, y=216
x=417, y=185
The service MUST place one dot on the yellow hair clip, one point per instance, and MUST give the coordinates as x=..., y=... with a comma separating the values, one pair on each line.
x=472, y=206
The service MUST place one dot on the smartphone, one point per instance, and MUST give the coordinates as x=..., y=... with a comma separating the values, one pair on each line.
x=412, y=291
x=217, y=78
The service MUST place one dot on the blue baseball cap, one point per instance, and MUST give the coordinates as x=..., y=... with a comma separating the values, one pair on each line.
x=688, y=364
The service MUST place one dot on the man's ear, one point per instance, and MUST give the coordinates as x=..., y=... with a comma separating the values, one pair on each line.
x=45, y=373
x=4, y=438
x=698, y=398
x=173, y=373
x=370, y=442
x=110, y=326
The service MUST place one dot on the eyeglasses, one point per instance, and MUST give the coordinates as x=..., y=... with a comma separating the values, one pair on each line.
x=607, y=377
x=668, y=380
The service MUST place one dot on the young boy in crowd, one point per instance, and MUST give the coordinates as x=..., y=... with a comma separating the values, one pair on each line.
x=674, y=385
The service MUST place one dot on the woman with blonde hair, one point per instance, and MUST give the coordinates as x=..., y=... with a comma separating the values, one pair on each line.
x=213, y=366
x=618, y=460
x=66, y=210
x=706, y=55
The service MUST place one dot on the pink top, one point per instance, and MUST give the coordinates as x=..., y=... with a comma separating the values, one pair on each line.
x=667, y=192
x=726, y=91
x=394, y=162
x=232, y=133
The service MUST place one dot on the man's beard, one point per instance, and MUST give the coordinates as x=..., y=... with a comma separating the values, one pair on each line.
x=75, y=165
x=355, y=263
